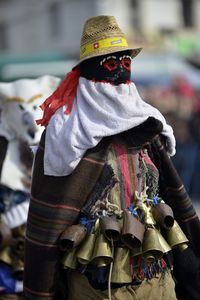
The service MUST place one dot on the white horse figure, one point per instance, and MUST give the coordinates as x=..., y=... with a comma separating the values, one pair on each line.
x=19, y=108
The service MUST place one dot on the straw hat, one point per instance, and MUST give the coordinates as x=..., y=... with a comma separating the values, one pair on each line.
x=102, y=35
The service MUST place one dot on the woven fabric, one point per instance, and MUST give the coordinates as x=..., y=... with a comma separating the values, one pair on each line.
x=172, y=190
x=98, y=28
x=55, y=203
x=161, y=287
x=174, y=194
x=128, y=170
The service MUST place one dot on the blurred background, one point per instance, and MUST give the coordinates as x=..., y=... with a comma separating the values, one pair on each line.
x=43, y=36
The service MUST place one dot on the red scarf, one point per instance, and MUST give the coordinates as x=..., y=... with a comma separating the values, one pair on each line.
x=64, y=94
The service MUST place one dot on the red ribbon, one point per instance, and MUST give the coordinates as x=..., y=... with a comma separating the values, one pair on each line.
x=64, y=94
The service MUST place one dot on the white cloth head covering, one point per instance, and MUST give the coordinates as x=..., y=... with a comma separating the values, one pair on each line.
x=99, y=110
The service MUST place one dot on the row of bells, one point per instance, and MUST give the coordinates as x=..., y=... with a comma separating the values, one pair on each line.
x=135, y=239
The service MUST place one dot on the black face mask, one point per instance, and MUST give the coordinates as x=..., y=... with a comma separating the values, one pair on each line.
x=114, y=68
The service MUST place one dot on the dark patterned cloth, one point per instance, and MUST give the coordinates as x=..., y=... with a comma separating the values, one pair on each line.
x=174, y=194
x=55, y=204
x=172, y=190
x=57, y=201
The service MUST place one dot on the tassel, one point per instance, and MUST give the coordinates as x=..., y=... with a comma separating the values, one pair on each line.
x=64, y=94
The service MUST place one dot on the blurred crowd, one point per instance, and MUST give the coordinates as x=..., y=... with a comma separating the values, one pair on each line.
x=19, y=135
x=180, y=103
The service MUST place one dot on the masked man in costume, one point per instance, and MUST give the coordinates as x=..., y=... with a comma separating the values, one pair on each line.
x=108, y=212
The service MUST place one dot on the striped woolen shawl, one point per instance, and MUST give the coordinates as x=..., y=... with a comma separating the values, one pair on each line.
x=56, y=203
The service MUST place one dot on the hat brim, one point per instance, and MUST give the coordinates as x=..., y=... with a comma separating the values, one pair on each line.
x=101, y=52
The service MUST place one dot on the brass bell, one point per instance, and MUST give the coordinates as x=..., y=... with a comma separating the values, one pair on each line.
x=5, y=256
x=121, y=272
x=132, y=231
x=102, y=254
x=72, y=237
x=85, y=250
x=69, y=259
x=163, y=215
x=151, y=246
x=110, y=227
x=175, y=236
x=164, y=245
